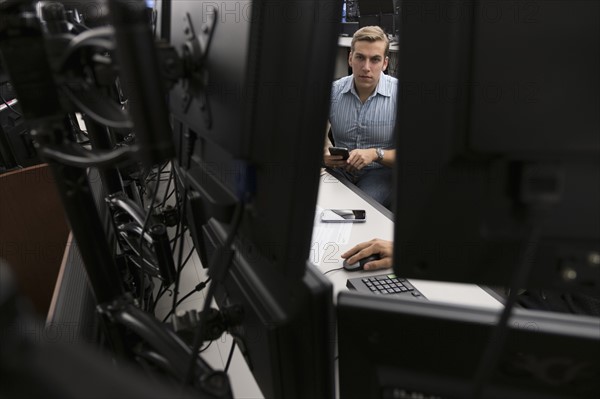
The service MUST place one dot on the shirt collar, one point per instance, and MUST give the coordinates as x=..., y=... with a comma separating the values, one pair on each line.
x=349, y=85
x=384, y=86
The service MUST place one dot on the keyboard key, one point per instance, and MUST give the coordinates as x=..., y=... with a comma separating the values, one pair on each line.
x=409, y=286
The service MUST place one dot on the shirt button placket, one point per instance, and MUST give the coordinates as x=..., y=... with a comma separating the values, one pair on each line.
x=360, y=138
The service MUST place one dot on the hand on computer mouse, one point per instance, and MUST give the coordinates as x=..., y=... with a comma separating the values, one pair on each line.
x=377, y=246
x=360, y=265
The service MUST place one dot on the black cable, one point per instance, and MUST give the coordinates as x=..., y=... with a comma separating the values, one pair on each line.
x=188, y=257
x=191, y=144
x=168, y=196
x=168, y=187
x=182, y=204
x=178, y=236
x=492, y=352
x=180, y=253
x=152, y=175
x=206, y=347
x=144, y=227
x=230, y=356
x=148, y=176
x=161, y=291
x=102, y=37
x=333, y=270
x=72, y=90
x=174, y=242
x=158, y=296
x=189, y=294
x=84, y=159
x=197, y=288
x=198, y=337
x=179, y=203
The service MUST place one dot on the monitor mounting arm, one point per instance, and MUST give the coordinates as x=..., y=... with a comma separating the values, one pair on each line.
x=189, y=69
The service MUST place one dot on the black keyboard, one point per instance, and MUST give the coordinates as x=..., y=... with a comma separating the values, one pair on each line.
x=384, y=284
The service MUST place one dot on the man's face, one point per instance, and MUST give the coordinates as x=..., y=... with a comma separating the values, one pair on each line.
x=367, y=62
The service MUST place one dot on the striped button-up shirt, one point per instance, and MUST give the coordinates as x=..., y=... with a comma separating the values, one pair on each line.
x=370, y=125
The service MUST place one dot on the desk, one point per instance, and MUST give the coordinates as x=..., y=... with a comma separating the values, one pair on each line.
x=335, y=194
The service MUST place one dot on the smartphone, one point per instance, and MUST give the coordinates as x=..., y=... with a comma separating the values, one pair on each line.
x=344, y=215
x=340, y=151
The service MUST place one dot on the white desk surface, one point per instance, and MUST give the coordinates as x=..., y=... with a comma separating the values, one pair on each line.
x=335, y=194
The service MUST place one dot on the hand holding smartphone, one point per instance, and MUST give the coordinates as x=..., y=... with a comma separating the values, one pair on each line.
x=344, y=216
x=340, y=151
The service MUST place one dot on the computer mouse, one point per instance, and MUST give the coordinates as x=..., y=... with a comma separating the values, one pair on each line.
x=360, y=265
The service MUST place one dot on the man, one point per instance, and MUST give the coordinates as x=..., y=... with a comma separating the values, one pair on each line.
x=363, y=115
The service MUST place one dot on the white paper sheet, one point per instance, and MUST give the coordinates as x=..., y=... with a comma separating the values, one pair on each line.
x=326, y=240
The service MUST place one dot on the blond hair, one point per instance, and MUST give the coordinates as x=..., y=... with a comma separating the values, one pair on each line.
x=371, y=34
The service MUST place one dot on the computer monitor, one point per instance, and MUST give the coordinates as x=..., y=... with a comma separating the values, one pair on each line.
x=287, y=333
x=498, y=148
x=374, y=7
x=250, y=121
x=496, y=171
x=394, y=348
x=382, y=13
x=260, y=109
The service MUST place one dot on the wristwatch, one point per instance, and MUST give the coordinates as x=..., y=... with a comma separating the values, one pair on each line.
x=380, y=153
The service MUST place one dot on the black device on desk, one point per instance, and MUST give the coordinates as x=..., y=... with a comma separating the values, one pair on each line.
x=343, y=216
